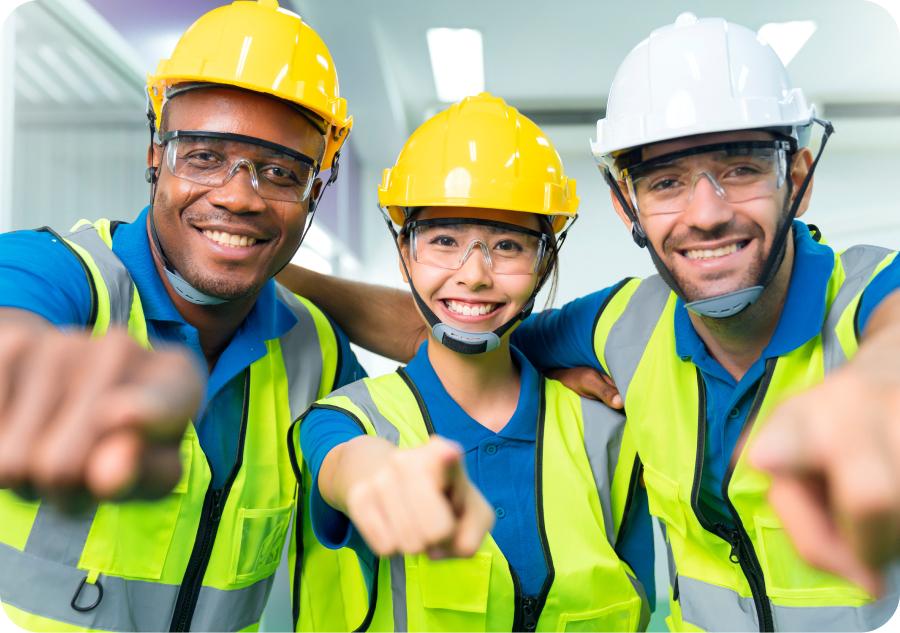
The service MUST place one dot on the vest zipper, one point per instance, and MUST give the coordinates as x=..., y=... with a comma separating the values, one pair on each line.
x=742, y=551
x=210, y=516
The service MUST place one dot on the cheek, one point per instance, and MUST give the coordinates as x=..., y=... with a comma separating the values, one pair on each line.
x=517, y=287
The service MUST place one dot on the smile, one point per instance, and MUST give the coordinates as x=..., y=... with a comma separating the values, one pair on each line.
x=713, y=253
x=470, y=309
x=230, y=239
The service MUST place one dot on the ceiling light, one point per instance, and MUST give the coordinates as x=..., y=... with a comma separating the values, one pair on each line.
x=787, y=38
x=457, y=62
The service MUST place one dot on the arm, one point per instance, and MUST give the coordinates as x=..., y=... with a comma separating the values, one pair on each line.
x=834, y=455
x=81, y=416
x=380, y=319
x=406, y=500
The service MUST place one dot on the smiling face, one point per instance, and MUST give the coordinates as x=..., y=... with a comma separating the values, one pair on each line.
x=474, y=298
x=228, y=241
x=713, y=246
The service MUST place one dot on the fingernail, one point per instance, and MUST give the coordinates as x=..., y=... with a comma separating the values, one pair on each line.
x=617, y=401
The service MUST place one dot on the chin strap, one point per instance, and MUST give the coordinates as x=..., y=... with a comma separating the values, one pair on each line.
x=460, y=341
x=730, y=303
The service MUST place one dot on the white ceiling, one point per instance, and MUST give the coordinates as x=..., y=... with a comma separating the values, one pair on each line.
x=562, y=55
x=540, y=55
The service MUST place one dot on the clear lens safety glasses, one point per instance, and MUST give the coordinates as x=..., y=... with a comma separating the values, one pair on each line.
x=737, y=172
x=507, y=249
x=211, y=159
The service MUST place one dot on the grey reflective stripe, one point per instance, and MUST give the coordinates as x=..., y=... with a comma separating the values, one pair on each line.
x=629, y=336
x=603, y=428
x=645, y=603
x=358, y=393
x=58, y=536
x=302, y=354
x=859, y=262
x=716, y=608
x=219, y=610
x=670, y=557
x=46, y=588
x=398, y=592
x=115, y=276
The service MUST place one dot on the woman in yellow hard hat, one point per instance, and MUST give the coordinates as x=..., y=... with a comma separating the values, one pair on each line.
x=477, y=494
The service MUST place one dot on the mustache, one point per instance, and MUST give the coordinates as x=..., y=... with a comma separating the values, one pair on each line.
x=226, y=220
x=692, y=235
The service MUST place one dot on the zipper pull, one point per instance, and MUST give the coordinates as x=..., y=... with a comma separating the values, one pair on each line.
x=733, y=537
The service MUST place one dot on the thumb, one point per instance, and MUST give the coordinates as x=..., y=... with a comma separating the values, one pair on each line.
x=783, y=446
x=445, y=457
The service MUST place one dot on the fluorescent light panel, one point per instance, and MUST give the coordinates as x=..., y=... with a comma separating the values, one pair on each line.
x=457, y=62
x=787, y=38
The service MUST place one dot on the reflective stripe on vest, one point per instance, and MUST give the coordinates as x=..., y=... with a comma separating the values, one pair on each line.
x=59, y=561
x=715, y=593
x=387, y=407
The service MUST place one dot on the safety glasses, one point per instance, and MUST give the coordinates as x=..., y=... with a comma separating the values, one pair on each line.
x=737, y=172
x=446, y=243
x=211, y=159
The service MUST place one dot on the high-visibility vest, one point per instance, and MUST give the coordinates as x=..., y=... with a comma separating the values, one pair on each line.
x=585, y=476
x=746, y=575
x=200, y=558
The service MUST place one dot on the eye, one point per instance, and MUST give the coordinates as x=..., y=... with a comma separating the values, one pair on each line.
x=509, y=247
x=663, y=184
x=747, y=170
x=203, y=158
x=442, y=241
x=280, y=175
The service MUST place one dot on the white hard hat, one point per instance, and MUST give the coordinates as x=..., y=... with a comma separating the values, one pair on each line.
x=696, y=77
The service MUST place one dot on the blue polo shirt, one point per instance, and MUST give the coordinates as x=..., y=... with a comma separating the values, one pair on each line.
x=500, y=464
x=564, y=338
x=41, y=275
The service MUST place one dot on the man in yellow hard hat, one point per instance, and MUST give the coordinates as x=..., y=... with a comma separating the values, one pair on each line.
x=244, y=117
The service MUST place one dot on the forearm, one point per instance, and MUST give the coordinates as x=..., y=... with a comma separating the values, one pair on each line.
x=348, y=464
x=380, y=319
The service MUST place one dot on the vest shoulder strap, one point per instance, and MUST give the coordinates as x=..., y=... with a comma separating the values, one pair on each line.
x=859, y=265
x=112, y=283
x=629, y=335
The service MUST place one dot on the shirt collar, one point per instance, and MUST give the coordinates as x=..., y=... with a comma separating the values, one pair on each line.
x=804, y=307
x=454, y=422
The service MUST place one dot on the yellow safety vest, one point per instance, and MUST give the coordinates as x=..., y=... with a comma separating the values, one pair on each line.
x=747, y=576
x=200, y=558
x=586, y=474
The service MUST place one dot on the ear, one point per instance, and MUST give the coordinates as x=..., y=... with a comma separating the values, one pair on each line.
x=800, y=166
x=154, y=155
x=316, y=189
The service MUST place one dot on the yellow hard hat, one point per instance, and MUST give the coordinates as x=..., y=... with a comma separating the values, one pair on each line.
x=260, y=47
x=479, y=153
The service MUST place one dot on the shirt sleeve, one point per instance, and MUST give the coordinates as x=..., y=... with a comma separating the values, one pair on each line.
x=563, y=337
x=320, y=432
x=349, y=368
x=884, y=283
x=38, y=273
x=635, y=544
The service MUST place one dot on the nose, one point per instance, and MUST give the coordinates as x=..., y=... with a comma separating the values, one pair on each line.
x=238, y=194
x=475, y=271
x=706, y=205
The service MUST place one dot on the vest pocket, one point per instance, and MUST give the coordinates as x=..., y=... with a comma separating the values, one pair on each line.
x=257, y=551
x=791, y=579
x=455, y=592
x=664, y=499
x=622, y=616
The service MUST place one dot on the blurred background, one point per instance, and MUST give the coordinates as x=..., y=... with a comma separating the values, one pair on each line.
x=73, y=133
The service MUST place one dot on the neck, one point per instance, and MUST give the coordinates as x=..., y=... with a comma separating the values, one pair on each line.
x=737, y=342
x=486, y=386
x=215, y=324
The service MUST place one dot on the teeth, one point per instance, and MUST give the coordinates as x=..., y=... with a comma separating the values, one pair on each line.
x=229, y=239
x=470, y=310
x=708, y=253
